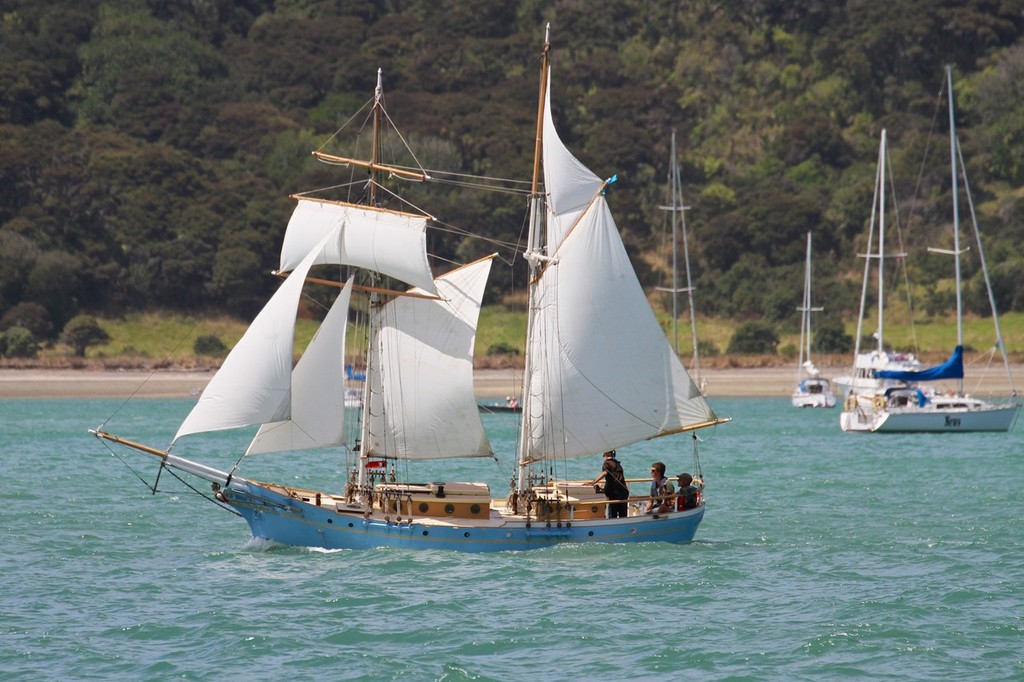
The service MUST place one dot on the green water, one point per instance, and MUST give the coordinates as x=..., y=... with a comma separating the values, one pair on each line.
x=823, y=555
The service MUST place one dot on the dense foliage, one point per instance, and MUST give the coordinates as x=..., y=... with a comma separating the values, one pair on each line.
x=148, y=147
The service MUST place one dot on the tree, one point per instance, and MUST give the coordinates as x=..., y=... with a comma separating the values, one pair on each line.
x=83, y=331
x=831, y=337
x=754, y=337
x=209, y=344
x=17, y=342
x=30, y=316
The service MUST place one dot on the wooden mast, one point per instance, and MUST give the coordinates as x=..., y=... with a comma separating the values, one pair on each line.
x=534, y=246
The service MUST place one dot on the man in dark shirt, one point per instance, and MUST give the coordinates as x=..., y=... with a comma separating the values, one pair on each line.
x=615, y=487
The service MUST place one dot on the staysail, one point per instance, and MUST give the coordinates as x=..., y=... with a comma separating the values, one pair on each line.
x=602, y=373
x=317, y=417
x=421, y=402
x=253, y=386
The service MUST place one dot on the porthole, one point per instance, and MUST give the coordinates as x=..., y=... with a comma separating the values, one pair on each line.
x=426, y=533
x=593, y=509
x=475, y=509
x=449, y=509
x=330, y=520
x=350, y=525
x=590, y=534
x=466, y=534
x=424, y=507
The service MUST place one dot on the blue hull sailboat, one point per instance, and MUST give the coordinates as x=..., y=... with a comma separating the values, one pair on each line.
x=599, y=375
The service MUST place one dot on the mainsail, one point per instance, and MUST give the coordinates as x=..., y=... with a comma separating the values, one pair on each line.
x=953, y=368
x=602, y=373
x=421, y=403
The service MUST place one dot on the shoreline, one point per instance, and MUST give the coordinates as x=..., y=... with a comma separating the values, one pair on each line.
x=489, y=384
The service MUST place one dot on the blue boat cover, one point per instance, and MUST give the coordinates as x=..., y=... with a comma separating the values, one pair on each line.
x=950, y=369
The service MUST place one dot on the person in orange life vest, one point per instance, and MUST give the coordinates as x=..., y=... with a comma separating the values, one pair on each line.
x=687, y=492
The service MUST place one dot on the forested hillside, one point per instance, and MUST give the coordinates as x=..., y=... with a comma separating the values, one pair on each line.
x=148, y=147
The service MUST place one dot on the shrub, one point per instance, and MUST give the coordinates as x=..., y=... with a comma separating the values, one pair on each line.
x=209, y=344
x=83, y=331
x=502, y=348
x=31, y=316
x=753, y=338
x=18, y=343
x=831, y=337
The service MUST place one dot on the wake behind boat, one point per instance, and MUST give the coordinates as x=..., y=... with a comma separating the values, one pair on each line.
x=599, y=375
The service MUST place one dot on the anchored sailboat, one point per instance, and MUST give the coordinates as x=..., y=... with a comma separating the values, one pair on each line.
x=812, y=389
x=863, y=378
x=599, y=375
x=906, y=402
x=677, y=220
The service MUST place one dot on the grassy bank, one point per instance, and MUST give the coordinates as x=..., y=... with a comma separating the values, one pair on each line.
x=156, y=340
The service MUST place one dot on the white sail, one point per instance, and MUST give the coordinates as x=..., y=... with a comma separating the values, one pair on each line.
x=253, y=385
x=603, y=375
x=388, y=242
x=421, y=401
x=317, y=397
x=570, y=185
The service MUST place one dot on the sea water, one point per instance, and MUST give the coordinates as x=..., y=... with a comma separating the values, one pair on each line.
x=822, y=555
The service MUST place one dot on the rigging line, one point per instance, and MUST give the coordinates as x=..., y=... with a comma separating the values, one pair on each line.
x=927, y=151
x=489, y=178
x=166, y=360
x=106, y=444
x=903, y=249
x=441, y=226
x=346, y=123
x=344, y=185
x=394, y=127
x=482, y=186
x=198, y=492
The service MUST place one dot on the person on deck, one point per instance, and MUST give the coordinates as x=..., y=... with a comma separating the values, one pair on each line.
x=660, y=487
x=615, y=487
x=687, y=492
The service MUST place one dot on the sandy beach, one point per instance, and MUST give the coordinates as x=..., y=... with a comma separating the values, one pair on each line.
x=490, y=383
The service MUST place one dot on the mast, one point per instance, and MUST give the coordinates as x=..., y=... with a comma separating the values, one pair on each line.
x=881, y=244
x=373, y=323
x=956, y=218
x=806, y=310
x=678, y=210
x=533, y=255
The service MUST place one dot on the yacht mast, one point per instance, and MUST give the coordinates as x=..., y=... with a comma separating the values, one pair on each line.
x=534, y=256
x=956, y=218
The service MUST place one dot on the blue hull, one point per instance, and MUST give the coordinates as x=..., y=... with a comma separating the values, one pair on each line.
x=282, y=519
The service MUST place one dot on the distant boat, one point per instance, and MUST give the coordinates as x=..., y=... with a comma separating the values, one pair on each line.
x=511, y=404
x=599, y=375
x=812, y=389
x=677, y=212
x=912, y=405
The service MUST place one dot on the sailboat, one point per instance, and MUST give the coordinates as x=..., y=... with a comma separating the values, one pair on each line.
x=863, y=378
x=677, y=212
x=812, y=389
x=912, y=405
x=600, y=375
